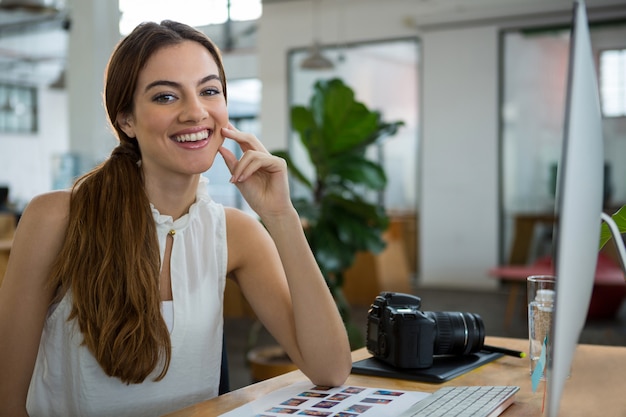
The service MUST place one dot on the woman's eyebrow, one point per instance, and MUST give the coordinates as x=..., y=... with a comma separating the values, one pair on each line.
x=161, y=82
x=210, y=78
x=176, y=85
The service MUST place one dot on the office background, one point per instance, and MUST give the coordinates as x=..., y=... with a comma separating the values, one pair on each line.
x=468, y=159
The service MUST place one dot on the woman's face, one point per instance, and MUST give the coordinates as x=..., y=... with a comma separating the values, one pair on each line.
x=179, y=110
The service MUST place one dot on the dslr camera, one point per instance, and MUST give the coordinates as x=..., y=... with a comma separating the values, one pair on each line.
x=401, y=335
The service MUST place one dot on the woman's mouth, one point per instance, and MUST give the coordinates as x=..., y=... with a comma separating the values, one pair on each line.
x=192, y=137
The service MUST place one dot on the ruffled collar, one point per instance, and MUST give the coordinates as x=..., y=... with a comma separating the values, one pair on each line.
x=202, y=196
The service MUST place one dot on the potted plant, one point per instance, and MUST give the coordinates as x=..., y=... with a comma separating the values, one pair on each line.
x=339, y=221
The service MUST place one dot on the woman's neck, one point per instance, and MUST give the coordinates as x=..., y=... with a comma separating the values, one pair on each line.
x=173, y=196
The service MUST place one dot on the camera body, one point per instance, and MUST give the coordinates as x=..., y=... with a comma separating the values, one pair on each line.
x=401, y=335
x=398, y=332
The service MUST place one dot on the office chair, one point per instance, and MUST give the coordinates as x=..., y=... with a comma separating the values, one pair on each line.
x=224, y=386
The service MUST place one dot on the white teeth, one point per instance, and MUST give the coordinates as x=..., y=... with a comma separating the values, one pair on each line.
x=193, y=137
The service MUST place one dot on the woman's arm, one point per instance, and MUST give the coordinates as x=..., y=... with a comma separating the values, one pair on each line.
x=277, y=272
x=280, y=279
x=25, y=297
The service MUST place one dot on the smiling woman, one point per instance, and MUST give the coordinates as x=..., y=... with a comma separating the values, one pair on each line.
x=192, y=12
x=124, y=314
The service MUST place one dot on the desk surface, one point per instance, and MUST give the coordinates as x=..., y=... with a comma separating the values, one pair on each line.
x=595, y=386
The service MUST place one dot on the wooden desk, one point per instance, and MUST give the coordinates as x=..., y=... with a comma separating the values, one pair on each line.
x=594, y=388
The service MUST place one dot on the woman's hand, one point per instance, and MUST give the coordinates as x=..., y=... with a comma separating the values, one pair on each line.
x=260, y=176
x=276, y=270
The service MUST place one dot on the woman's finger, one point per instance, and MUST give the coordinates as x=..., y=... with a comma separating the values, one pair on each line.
x=246, y=141
x=252, y=162
x=229, y=158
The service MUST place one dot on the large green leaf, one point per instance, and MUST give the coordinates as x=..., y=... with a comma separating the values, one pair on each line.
x=384, y=130
x=293, y=169
x=620, y=219
x=358, y=225
x=339, y=233
x=359, y=170
x=343, y=122
x=311, y=137
x=302, y=119
x=357, y=207
x=330, y=252
x=353, y=131
x=352, y=232
x=306, y=209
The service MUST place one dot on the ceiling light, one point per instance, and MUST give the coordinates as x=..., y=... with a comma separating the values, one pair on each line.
x=31, y=5
x=315, y=60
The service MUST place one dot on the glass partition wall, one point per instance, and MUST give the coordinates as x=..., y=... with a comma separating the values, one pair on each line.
x=534, y=70
x=384, y=75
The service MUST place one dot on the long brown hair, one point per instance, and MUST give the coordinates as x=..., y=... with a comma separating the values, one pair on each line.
x=110, y=258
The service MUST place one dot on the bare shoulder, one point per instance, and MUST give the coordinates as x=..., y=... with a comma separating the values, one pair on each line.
x=41, y=231
x=54, y=203
x=246, y=237
x=45, y=217
x=243, y=228
x=237, y=220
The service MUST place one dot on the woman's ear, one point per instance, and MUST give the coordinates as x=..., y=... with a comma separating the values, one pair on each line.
x=125, y=122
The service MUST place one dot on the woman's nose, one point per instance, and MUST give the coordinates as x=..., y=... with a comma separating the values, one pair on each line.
x=193, y=110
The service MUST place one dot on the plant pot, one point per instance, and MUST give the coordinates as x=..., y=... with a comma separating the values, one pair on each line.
x=268, y=361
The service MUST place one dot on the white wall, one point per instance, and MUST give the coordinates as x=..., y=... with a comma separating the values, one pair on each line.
x=26, y=159
x=93, y=35
x=459, y=206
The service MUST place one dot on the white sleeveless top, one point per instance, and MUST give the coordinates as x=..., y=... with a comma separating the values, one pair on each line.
x=67, y=380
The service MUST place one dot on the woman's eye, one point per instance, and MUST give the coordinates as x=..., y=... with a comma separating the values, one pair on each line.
x=211, y=91
x=164, y=98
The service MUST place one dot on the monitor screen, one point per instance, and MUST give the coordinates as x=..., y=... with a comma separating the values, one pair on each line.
x=578, y=206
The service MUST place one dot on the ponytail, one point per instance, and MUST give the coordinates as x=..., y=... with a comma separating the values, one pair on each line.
x=110, y=261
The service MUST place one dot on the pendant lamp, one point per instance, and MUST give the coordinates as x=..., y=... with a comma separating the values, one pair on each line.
x=315, y=60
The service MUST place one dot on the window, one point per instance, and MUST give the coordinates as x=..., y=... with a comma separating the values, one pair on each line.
x=613, y=82
x=192, y=12
x=18, y=109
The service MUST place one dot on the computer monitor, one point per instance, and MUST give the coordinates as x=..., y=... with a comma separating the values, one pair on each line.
x=578, y=208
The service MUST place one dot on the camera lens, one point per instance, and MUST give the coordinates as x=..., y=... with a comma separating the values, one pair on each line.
x=457, y=333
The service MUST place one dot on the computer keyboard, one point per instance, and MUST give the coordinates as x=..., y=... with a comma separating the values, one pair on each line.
x=472, y=401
